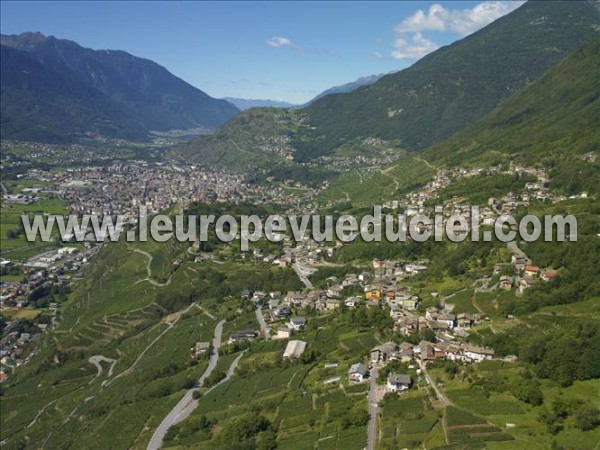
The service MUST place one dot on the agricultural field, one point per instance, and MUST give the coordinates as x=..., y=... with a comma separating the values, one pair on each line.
x=143, y=329
x=368, y=189
x=407, y=420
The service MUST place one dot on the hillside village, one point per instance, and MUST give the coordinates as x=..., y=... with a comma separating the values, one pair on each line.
x=110, y=190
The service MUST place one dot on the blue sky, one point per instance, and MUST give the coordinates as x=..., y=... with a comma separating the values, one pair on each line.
x=279, y=50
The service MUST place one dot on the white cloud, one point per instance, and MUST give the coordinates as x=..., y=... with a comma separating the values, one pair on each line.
x=413, y=48
x=279, y=41
x=460, y=21
x=378, y=55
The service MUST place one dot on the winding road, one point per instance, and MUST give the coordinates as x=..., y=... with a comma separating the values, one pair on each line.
x=187, y=404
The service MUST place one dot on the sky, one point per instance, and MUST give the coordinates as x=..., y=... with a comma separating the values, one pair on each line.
x=287, y=51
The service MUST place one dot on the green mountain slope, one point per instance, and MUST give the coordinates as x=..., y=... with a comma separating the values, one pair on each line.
x=554, y=121
x=436, y=97
x=458, y=84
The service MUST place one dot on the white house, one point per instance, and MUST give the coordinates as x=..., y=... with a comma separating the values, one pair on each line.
x=398, y=382
x=358, y=373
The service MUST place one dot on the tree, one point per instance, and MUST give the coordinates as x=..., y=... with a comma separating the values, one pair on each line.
x=586, y=417
x=529, y=392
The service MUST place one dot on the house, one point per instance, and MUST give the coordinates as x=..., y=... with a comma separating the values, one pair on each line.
x=199, y=349
x=426, y=351
x=294, y=349
x=446, y=320
x=477, y=354
x=273, y=303
x=294, y=298
x=372, y=294
x=384, y=352
x=242, y=336
x=332, y=304
x=283, y=333
x=351, y=302
x=297, y=323
x=505, y=283
x=464, y=321
x=410, y=302
x=519, y=262
x=358, y=373
x=524, y=284
x=532, y=271
x=282, y=311
x=334, y=291
x=398, y=382
x=548, y=275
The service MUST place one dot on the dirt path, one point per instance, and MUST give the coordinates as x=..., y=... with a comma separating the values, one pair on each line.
x=149, y=270
x=127, y=371
x=96, y=360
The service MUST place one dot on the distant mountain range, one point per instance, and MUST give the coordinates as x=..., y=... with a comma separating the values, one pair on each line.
x=347, y=87
x=247, y=103
x=423, y=105
x=54, y=90
x=243, y=103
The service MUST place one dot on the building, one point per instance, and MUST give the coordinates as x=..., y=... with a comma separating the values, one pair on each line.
x=548, y=275
x=532, y=271
x=294, y=349
x=477, y=354
x=398, y=382
x=199, y=349
x=297, y=323
x=283, y=333
x=358, y=373
x=242, y=336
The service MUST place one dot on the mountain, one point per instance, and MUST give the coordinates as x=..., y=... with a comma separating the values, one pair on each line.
x=554, y=121
x=436, y=97
x=247, y=103
x=347, y=87
x=460, y=83
x=70, y=89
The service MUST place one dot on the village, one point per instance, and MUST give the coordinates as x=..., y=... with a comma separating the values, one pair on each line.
x=121, y=188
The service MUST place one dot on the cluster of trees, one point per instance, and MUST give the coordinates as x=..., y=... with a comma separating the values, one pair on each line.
x=564, y=358
x=369, y=318
x=251, y=431
x=43, y=295
x=584, y=415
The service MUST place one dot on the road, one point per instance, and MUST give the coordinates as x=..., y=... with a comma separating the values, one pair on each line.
x=263, y=324
x=373, y=411
x=302, y=276
x=184, y=407
x=127, y=371
x=441, y=397
x=96, y=360
x=516, y=250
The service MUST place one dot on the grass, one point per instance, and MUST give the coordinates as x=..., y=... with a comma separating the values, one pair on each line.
x=462, y=302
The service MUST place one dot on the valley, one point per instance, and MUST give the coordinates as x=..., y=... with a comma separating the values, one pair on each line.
x=445, y=343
